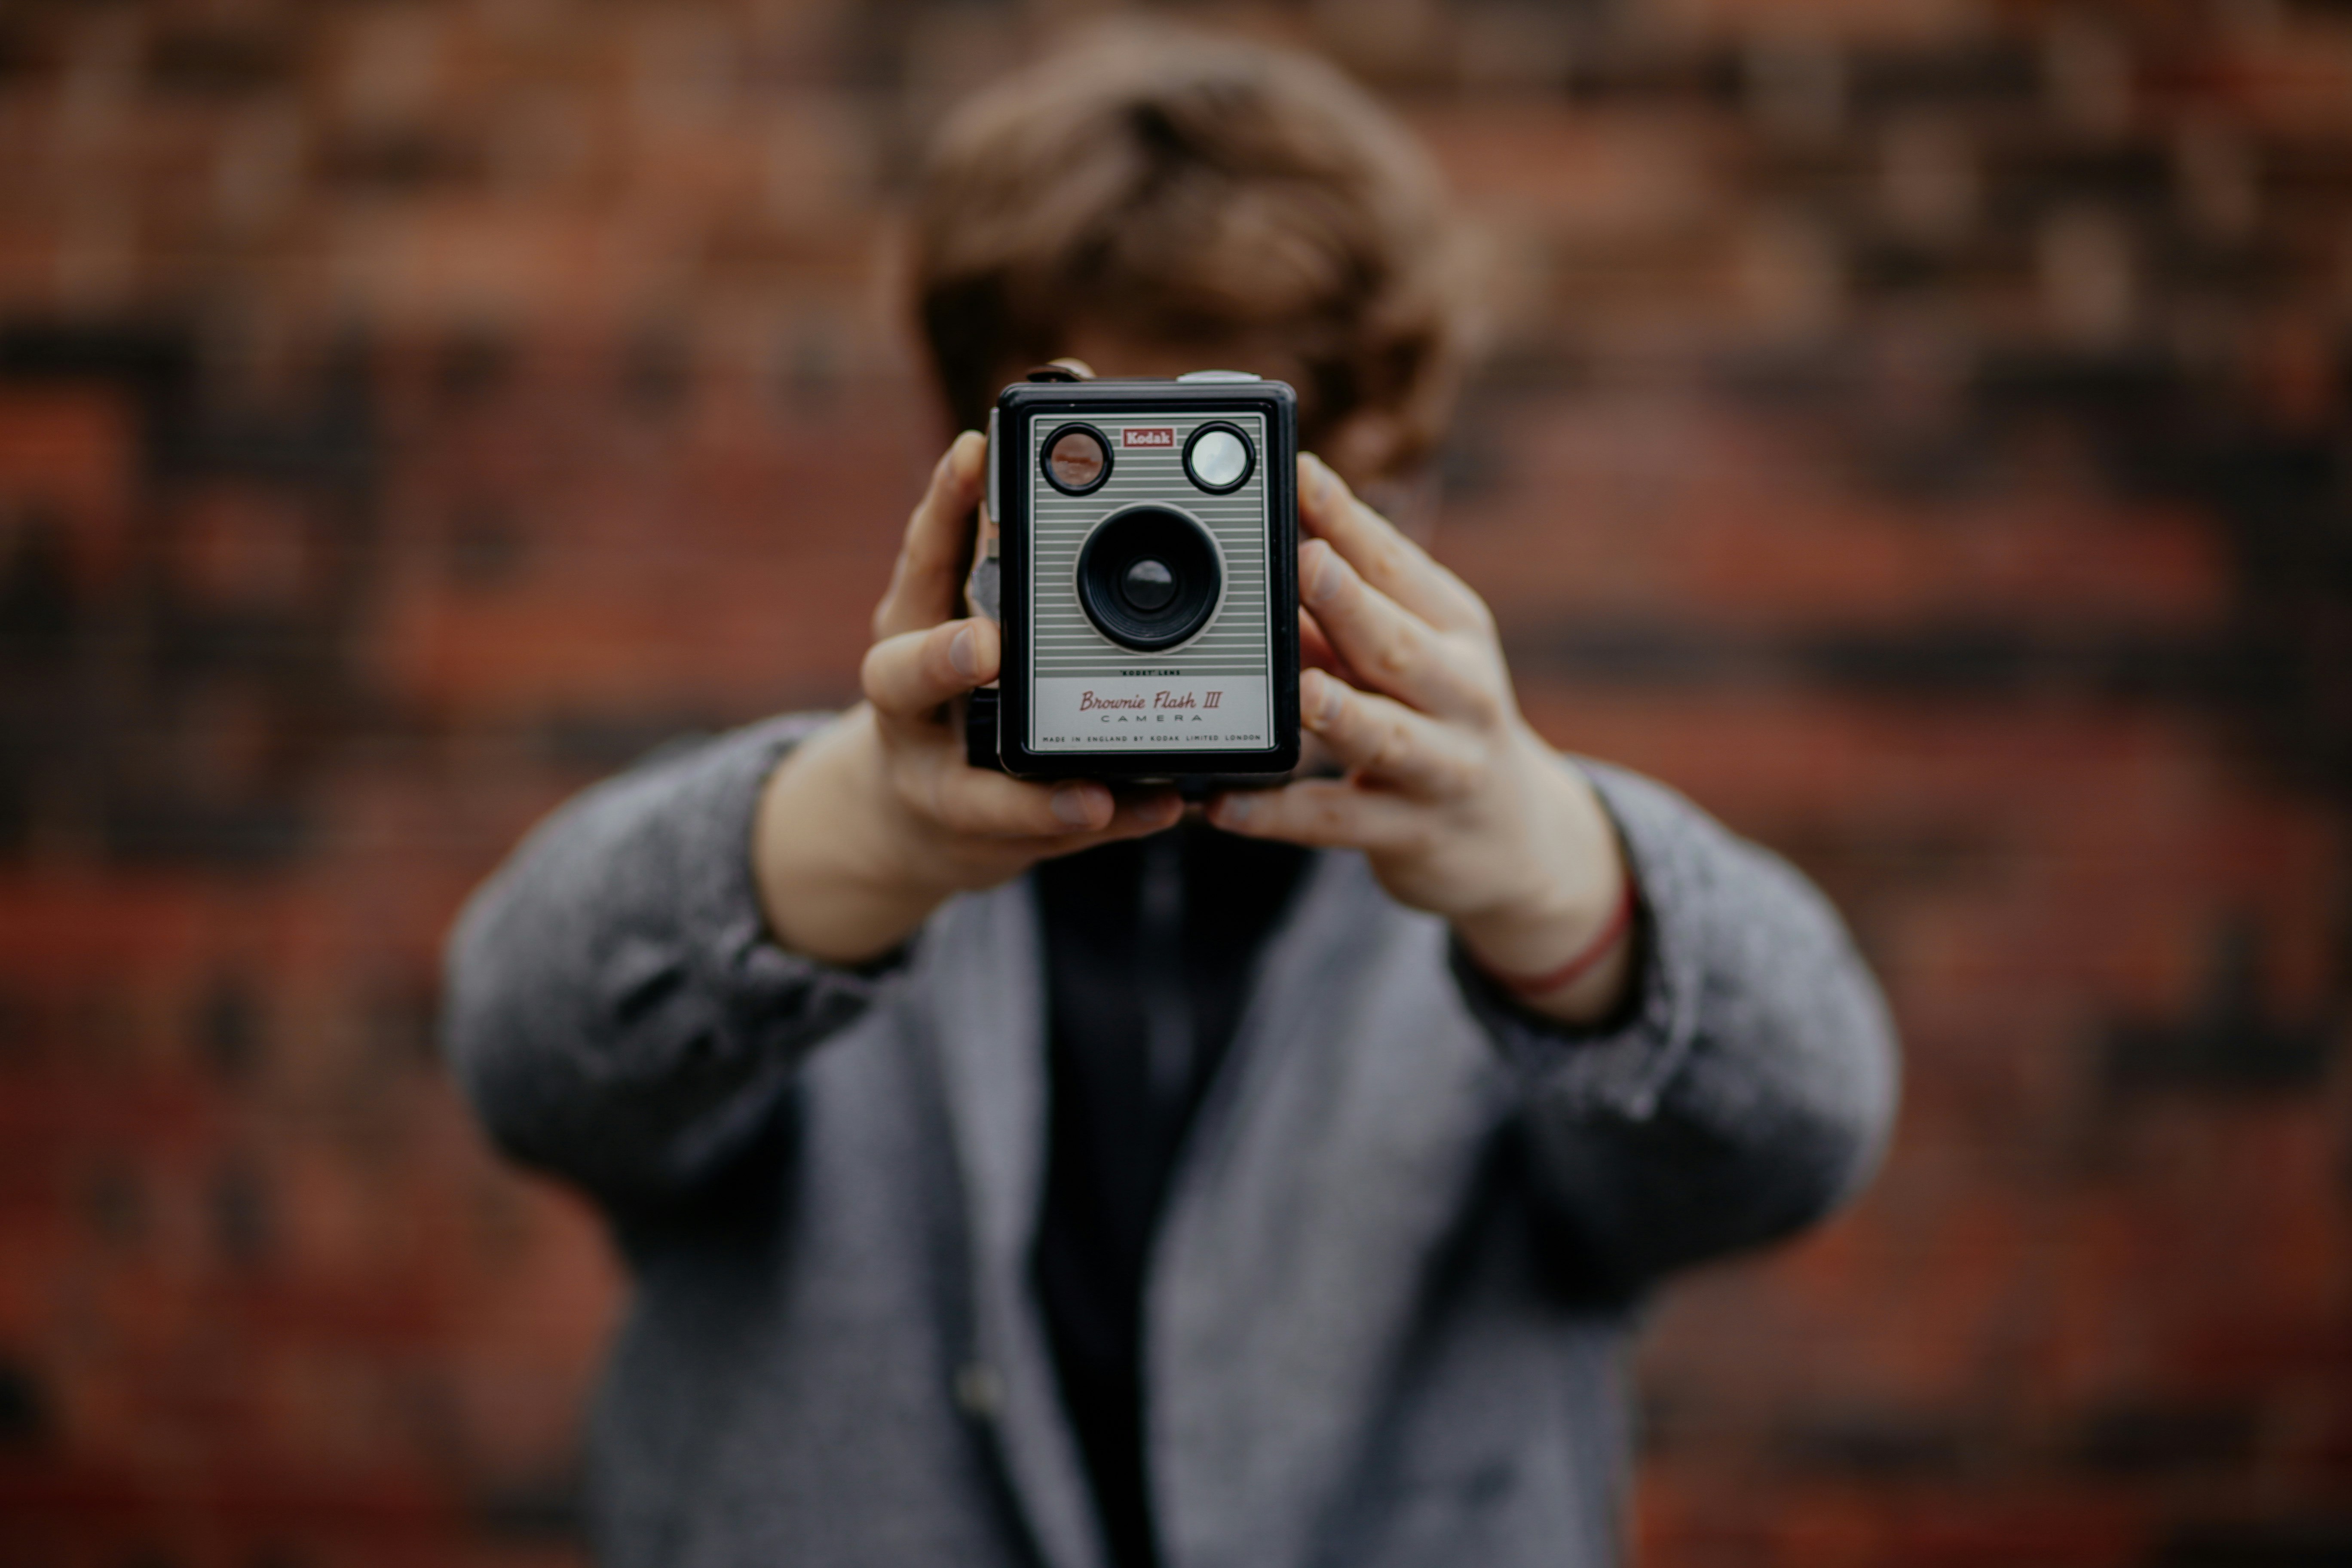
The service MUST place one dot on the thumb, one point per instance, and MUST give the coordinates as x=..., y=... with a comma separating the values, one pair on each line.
x=931, y=558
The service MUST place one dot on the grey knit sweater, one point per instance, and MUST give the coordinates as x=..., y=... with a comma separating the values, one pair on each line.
x=1388, y=1307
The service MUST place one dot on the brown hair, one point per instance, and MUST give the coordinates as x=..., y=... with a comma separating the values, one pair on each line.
x=1178, y=190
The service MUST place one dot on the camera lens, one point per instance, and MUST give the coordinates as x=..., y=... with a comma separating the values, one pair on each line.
x=1148, y=586
x=1150, y=577
x=1218, y=458
x=1077, y=459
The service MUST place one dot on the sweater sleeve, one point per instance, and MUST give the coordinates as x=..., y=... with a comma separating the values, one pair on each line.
x=614, y=1007
x=1750, y=1086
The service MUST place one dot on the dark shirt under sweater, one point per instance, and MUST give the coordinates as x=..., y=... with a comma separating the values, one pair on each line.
x=1149, y=946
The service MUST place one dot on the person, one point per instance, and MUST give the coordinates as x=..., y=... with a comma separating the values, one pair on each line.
x=1013, y=1172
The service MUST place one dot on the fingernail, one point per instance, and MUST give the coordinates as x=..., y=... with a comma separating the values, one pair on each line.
x=1326, y=700
x=963, y=653
x=1164, y=810
x=1323, y=576
x=1073, y=804
x=1233, y=810
x=1319, y=480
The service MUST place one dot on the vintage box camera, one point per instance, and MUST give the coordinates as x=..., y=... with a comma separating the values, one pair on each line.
x=1140, y=547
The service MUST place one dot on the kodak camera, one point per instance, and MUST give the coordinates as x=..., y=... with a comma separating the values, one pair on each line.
x=1140, y=549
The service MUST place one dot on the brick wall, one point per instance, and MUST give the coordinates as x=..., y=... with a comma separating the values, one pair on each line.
x=1917, y=430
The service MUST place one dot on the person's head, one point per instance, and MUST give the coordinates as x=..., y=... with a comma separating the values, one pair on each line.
x=1157, y=202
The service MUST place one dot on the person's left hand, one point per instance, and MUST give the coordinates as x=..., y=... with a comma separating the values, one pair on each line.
x=1460, y=807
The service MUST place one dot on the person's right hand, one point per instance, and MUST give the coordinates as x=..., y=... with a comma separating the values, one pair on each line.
x=875, y=821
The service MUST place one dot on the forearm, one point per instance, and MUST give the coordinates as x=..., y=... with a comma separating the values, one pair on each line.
x=616, y=1008
x=1751, y=1084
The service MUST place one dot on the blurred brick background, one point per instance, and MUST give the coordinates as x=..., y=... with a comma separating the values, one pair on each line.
x=1916, y=428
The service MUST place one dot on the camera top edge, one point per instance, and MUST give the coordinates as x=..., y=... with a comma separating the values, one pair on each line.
x=1161, y=390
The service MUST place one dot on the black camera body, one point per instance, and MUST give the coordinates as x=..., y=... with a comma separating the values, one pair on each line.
x=1140, y=549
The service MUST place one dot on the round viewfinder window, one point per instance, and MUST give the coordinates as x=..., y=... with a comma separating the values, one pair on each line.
x=1078, y=459
x=1218, y=458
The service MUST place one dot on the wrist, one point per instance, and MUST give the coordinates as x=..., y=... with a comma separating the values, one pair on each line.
x=1563, y=943
x=1592, y=969
x=832, y=871
x=1594, y=951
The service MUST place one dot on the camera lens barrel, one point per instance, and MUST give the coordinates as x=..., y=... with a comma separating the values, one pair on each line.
x=1150, y=577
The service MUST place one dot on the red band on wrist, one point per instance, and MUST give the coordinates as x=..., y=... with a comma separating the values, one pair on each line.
x=1585, y=959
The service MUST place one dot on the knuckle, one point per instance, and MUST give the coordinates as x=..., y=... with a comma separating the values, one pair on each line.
x=1471, y=677
x=934, y=662
x=1341, y=720
x=944, y=804
x=957, y=812
x=914, y=791
x=1342, y=592
x=1462, y=776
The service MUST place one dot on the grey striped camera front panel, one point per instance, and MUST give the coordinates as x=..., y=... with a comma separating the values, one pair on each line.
x=1088, y=693
x=1237, y=641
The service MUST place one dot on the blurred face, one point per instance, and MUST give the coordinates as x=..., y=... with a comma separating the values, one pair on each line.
x=1113, y=353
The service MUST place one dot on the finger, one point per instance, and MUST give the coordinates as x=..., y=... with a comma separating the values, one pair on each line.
x=909, y=675
x=1315, y=652
x=1324, y=814
x=928, y=572
x=981, y=803
x=1394, y=564
x=1386, y=740
x=1393, y=650
x=1135, y=817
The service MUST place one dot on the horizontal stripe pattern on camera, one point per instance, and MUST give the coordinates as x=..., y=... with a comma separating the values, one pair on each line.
x=1237, y=640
